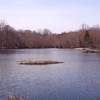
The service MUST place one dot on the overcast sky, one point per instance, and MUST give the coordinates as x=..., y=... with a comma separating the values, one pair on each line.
x=57, y=15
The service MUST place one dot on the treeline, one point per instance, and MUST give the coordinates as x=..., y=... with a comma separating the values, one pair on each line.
x=85, y=37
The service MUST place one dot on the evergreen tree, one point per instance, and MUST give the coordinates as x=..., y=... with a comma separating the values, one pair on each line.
x=87, y=39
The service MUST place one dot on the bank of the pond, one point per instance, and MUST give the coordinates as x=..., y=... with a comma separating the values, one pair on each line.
x=89, y=50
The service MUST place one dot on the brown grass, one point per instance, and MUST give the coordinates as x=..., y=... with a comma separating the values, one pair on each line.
x=38, y=62
x=17, y=98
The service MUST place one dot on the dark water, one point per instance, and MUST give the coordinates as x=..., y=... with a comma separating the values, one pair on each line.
x=78, y=78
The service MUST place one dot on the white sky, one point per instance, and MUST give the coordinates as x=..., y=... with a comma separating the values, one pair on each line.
x=56, y=15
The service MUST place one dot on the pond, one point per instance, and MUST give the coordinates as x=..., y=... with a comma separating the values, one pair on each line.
x=78, y=78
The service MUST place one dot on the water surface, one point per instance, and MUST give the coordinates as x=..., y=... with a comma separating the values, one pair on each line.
x=78, y=78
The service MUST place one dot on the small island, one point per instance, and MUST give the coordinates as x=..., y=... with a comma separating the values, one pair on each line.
x=38, y=62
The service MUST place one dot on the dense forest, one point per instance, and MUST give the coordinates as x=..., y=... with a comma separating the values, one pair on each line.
x=11, y=38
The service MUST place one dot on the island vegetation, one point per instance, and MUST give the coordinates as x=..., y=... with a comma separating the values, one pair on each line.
x=86, y=37
x=38, y=62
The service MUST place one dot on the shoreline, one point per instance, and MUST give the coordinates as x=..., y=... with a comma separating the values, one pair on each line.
x=88, y=50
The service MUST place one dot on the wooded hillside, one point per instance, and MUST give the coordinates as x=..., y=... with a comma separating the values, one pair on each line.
x=85, y=37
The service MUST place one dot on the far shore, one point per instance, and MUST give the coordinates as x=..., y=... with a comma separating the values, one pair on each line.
x=89, y=50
